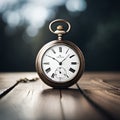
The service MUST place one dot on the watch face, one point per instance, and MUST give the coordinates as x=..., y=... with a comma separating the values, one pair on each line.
x=60, y=63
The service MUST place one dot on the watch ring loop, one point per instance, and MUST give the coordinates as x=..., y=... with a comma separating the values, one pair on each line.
x=59, y=20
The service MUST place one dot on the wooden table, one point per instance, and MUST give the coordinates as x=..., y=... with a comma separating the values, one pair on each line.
x=95, y=97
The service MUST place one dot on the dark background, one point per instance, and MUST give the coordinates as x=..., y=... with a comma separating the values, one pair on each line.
x=24, y=30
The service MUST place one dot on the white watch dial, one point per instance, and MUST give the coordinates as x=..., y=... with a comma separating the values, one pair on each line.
x=60, y=63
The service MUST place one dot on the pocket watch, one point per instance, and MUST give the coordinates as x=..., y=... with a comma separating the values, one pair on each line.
x=60, y=63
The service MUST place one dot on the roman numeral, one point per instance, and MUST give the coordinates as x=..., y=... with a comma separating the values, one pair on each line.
x=53, y=75
x=71, y=56
x=73, y=63
x=48, y=70
x=46, y=63
x=60, y=49
x=72, y=70
x=53, y=51
x=67, y=51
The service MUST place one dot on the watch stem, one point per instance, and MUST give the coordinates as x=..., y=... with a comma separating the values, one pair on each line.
x=60, y=31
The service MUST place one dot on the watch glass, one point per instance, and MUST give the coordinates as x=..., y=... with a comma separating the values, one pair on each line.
x=60, y=63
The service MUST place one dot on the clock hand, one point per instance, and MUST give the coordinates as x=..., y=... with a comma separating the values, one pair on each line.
x=66, y=75
x=53, y=58
x=61, y=72
x=64, y=59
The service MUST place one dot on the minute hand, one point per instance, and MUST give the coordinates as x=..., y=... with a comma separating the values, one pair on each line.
x=53, y=58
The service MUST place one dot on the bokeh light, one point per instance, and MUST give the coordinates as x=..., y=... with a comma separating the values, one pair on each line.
x=24, y=30
x=76, y=5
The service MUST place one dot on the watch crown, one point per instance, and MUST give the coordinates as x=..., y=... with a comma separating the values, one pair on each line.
x=59, y=27
x=59, y=30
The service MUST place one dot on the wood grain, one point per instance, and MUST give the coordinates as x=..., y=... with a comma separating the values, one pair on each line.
x=77, y=107
x=96, y=97
x=103, y=90
x=30, y=101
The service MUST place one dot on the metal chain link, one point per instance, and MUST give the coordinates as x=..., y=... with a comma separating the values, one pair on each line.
x=25, y=80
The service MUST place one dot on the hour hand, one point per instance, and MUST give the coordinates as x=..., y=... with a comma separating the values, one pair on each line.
x=53, y=58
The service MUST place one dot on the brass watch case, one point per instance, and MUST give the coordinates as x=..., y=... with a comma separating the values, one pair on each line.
x=44, y=77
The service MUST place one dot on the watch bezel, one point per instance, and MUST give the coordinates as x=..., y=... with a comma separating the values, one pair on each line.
x=44, y=77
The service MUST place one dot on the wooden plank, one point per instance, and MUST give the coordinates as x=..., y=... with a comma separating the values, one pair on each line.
x=97, y=98
x=89, y=80
x=76, y=107
x=30, y=101
x=103, y=90
x=106, y=101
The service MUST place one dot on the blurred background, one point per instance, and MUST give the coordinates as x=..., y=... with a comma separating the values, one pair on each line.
x=24, y=30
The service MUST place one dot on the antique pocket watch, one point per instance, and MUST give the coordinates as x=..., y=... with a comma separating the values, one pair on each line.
x=60, y=63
